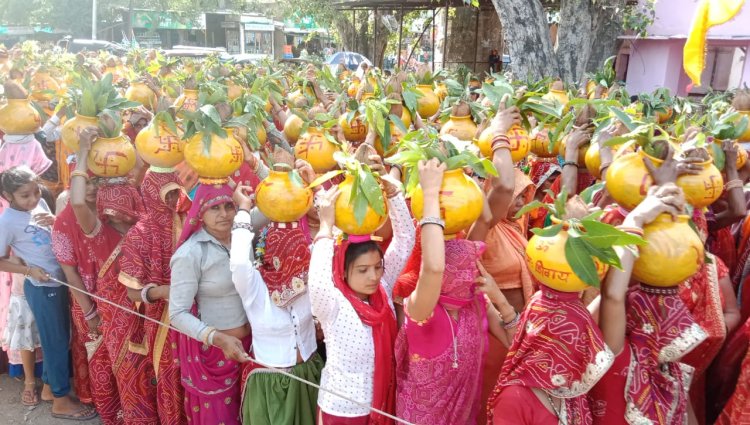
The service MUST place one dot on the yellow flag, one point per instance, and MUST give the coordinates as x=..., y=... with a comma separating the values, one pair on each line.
x=708, y=14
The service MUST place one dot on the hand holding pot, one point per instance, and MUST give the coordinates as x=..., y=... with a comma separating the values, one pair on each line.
x=577, y=138
x=327, y=208
x=305, y=170
x=243, y=197
x=730, y=152
x=87, y=138
x=504, y=120
x=667, y=198
x=431, y=176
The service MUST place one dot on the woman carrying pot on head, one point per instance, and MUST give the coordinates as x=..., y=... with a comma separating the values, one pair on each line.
x=441, y=348
x=144, y=269
x=204, y=305
x=273, y=286
x=649, y=329
x=350, y=289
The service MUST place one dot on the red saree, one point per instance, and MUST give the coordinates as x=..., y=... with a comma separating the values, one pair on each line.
x=132, y=370
x=93, y=374
x=737, y=410
x=146, y=252
x=653, y=388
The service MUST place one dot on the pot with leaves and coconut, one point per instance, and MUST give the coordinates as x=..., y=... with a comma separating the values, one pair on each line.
x=600, y=82
x=576, y=251
x=360, y=208
x=672, y=243
x=628, y=179
x=429, y=102
x=461, y=199
x=141, y=93
x=723, y=122
x=18, y=116
x=43, y=86
x=460, y=124
x=352, y=124
x=585, y=114
x=741, y=103
x=316, y=144
x=89, y=99
x=502, y=92
x=557, y=93
x=113, y=154
x=658, y=105
x=160, y=143
x=211, y=150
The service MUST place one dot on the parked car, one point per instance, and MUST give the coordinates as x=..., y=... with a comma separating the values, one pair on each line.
x=75, y=45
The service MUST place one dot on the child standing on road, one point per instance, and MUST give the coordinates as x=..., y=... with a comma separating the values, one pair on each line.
x=26, y=227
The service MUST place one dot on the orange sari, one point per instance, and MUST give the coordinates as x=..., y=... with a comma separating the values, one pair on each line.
x=505, y=260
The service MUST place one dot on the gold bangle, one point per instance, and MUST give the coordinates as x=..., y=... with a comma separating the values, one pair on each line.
x=79, y=173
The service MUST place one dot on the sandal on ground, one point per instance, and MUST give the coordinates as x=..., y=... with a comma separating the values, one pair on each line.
x=29, y=396
x=85, y=413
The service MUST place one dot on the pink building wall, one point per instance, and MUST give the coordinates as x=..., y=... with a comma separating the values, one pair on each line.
x=657, y=60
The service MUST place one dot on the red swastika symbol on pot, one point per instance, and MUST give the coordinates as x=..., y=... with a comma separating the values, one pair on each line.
x=107, y=161
x=166, y=143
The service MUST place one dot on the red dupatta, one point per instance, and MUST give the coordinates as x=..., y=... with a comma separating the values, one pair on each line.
x=379, y=316
x=559, y=349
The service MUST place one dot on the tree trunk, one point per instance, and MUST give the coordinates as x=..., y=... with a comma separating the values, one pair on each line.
x=587, y=36
x=527, y=35
x=607, y=27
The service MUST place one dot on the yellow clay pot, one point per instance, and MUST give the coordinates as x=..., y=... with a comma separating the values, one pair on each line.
x=41, y=82
x=594, y=160
x=557, y=95
x=19, y=117
x=673, y=252
x=111, y=157
x=141, y=93
x=315, y=148
x=519, y=143
x=546, y=259
x=701, y=190
x=662, y=117
x=345, y=219
x=441, y=91
x=429, y=103
x=628, y=179
x=215, y=166
x=187, y=101
x=741, y=153
x=463, y=128
x=353, y=89
x=282, y=200
x=293, y=128
x=540, y=145
x=234, y=90
x=72, y=128
x=746, y=135
x=356, y=131
x=159, y=146
x=461, y=201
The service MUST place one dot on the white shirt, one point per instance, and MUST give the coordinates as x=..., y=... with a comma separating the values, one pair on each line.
x=277, y=332
x=349, y=347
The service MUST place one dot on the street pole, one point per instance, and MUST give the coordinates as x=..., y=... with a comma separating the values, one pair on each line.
x=93, y=20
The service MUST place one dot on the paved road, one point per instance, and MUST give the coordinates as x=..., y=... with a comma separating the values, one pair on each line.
x=12, y=412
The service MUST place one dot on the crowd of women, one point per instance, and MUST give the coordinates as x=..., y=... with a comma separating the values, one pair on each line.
x=170, y=301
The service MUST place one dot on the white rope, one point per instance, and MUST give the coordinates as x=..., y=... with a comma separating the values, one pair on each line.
x=283, y=372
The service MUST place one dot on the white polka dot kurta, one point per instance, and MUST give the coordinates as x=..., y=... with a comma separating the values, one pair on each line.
x=349, y=346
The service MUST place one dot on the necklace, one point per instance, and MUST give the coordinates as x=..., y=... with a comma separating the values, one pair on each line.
x=453, y=335
x=552, y=404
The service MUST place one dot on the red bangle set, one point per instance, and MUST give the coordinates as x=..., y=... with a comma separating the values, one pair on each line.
x=500, y=142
